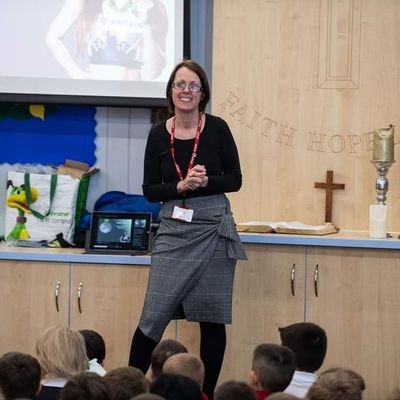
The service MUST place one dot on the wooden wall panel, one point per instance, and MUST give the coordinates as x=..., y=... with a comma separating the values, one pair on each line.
x=302, y=84
x=339, y=44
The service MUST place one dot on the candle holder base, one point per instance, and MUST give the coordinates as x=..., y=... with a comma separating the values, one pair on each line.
x=382, y=183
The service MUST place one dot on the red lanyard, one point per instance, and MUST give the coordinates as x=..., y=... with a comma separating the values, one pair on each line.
x=195, y=145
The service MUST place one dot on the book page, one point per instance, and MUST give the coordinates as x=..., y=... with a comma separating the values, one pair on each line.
x=295, y=227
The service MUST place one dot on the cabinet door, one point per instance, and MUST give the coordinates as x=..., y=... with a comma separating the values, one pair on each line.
x=33, y=296
x=109, y=299
x=358, y=301
x=268, y=293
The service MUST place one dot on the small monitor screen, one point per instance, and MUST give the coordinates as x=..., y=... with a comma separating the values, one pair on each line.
x=120, y=231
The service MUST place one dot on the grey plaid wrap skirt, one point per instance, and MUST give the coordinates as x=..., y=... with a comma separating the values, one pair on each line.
x=192, y=266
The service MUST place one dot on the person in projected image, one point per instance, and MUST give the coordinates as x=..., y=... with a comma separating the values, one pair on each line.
x=124, y=237
x=118, y=39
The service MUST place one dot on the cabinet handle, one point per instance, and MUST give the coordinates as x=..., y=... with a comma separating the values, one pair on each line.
x=292, y=278
x=316, y=280
x=57, y=292
x=80, y=287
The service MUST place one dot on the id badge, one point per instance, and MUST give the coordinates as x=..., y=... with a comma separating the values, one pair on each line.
x=184, y=214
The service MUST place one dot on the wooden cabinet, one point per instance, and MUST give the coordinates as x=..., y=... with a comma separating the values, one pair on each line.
x=268, y=293
x=106, y=298
x=352, y=293
x=357, y=304
x=33, y=296
x=109, y=299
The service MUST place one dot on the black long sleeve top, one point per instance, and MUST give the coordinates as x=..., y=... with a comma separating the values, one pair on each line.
x=217, y=151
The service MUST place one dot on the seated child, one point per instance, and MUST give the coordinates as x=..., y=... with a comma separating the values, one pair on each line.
x=309, y=342
x=176, y=387
x=234, y=390
x=126, y=382
x=95, y=349
x=20, y=376
x=337, y=384
x=272, y=369
x=165, y=349
x=186, y=364
x=86, y=386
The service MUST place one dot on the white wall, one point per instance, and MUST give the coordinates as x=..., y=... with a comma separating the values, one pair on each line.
x=121, y=139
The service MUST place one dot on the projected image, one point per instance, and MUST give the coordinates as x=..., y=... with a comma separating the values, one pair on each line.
x=114, y=230
x=121, y=39
x=101, y=52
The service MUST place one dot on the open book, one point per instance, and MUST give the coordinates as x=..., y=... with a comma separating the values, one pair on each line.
x=293, y=227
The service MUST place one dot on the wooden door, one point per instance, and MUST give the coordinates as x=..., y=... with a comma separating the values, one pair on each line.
x=33, y=296
x=357, y=304
x=109, y=299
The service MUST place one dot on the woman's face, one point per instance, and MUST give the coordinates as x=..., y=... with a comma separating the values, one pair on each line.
x=186, y=99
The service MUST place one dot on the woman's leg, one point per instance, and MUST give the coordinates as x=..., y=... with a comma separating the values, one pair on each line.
x=141, y=349
x=212, y=350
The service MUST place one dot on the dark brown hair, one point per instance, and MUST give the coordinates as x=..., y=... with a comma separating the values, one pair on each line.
x=199, y=71
x=308, y=341
x=274, y=366
x=95, y=345
x=165, y=349
x=234, y=390
x=126, y=382
x=20, y=375
x=86, y=386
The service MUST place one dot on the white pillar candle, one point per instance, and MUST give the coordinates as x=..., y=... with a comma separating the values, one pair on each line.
x=383, y=148
x=378, y=221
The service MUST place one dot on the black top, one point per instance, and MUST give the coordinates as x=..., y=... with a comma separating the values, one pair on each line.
x=49, y=393
x=216, y=151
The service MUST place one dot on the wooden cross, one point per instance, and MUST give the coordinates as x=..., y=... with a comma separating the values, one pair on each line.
x=329, y=186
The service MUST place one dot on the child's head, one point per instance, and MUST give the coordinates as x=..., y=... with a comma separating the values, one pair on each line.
x=61, y=352
x=234, y=390
x=337, y=384
x=95, y=346
x=165, y=349
x=86, y=386
x=308, y=341
x=176, y=387
x=126, y=382
x=20, y=375
x=185, y=364
x=273, y=367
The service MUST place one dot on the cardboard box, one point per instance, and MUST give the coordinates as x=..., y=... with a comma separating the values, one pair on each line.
x=76, y=169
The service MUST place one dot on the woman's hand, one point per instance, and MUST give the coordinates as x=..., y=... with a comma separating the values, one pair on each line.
x=195, y=178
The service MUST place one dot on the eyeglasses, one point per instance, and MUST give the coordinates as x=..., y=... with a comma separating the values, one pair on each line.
x=182, y=85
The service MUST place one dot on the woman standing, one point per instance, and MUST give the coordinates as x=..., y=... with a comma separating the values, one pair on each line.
x=191, y=161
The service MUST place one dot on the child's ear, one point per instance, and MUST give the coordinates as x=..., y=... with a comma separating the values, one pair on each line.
x=252, y=379
x=39, y=389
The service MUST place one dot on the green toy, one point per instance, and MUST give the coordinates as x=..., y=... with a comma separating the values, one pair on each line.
x=17, y=199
